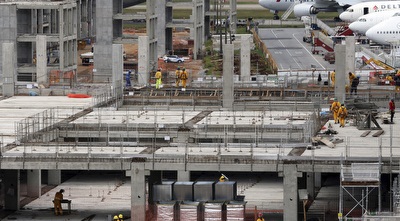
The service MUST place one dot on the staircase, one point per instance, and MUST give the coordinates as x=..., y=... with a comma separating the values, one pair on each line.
x=289, y=10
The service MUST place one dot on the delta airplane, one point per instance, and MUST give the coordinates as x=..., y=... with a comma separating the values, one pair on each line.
x=354, y=12
x=308, y=7
x=387, y=32
x=365, y=22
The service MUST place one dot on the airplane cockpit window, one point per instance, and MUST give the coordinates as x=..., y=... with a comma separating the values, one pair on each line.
x=396, y=14
x=362, y=20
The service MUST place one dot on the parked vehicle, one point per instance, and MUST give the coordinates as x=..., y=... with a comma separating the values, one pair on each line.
x=173, y=59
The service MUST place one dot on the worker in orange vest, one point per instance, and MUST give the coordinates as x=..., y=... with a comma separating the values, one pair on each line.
x=57, y=202
x=158, y=78
x=342, y=114
x=184, y=77
x=335, y=108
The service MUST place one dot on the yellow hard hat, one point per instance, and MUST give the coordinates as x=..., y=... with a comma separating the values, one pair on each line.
x=115, y=217
x=120, y=216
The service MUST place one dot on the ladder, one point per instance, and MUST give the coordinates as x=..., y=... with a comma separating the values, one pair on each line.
x=289, y=10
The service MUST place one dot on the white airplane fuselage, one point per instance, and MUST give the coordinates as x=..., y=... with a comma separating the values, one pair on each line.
x=355, y=11
x=386, y=32
x=367, y=21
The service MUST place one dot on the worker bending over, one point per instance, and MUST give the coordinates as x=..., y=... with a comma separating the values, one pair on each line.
x=184, y=77
x=57, y=202
x=335, y=109
x=342, y=113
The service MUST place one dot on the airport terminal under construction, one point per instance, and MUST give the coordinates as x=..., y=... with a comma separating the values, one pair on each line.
x=158, y=154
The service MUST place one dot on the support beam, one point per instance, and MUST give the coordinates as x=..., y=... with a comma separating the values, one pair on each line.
x=290, y=195
x=341, y=75
x=12, y=189
x=143, y=61
x=138, y=192
x=54, y=177
x=8, y=69
x=183, y=176
x=245, y=57
x=41, y=59
x=34, y=183
x=228, y=84
x=161, y=23
x=117, y=70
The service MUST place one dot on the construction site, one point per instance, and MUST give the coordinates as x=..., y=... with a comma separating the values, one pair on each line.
x=72, y=123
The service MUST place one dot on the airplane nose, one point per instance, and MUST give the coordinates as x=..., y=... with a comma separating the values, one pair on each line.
x=343, y=16
x=354, y=27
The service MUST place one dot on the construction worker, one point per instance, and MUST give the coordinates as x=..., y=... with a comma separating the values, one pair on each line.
x=397, y=82
x=115, y=218
x=128, y=79
x=389, y=79
x=222, y=178
x=158, y=78
x=260, y=217
x=178, y=76
x=333, y=73
x=184, y=77
x=392, y=107
x=354, y=85
x=120, y=217
x=335, y=109
x=57, y=202
x=342, y=114
x=352, y=76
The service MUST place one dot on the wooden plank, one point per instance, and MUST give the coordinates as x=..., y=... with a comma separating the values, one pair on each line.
x=365, y=133
x=378, y=133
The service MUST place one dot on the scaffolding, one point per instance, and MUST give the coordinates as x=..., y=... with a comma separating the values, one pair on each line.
x=359, y=178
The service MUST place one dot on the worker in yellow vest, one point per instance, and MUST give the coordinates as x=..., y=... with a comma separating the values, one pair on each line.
x=332, y=75
x=184, y=77
x=342, y=114
x=158, y=78
x=335, y=109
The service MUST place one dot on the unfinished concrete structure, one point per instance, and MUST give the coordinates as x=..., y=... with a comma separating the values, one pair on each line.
x=37, y=57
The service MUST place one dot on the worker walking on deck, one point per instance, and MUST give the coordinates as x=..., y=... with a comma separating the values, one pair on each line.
x=342, y=114
x=352, y=76
x=158, y=78
x=260, y=217
x=184, y=77
x=120, y=217
x=57, y=202
x=392, y=107
x=397, y=82
x=354, y=85
x=178, y=76
x=335, y=109
x=333, y=73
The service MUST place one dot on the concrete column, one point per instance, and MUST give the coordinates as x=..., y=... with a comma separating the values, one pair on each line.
x=54, y=177
x=317, y=180
x=245, y=57
x=41, y=59
x=12, y=189
x=117, y=70
x=104, y=38
x=138, y=192
x=311, y=185
x=8, y=69
x=228, y=86
x=151, y=31
x=155, y=177
x=290, y=195
x=350, y=55
x=198, y=26
x=34, y=183
x=161, y=23
x=233, y=16
x=341, y=74
x=183, y=176
x=143, y=60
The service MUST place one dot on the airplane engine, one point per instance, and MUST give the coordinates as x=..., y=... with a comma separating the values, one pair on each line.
x=305, y=9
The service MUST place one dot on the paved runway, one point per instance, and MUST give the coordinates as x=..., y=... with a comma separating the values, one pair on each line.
x=289, y=51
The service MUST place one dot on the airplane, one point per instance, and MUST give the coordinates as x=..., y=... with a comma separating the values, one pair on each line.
x=354, y=12
x=308, y=7
x=386, y=32
x=365, y=22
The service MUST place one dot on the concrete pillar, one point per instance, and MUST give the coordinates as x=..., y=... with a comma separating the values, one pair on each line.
x=104, y=38
x=138, y=192
x=245, y=57
x=117, y=70
x=161, y=23
x=154, y=178
x=233, y=16
x=183, y=176
x=34, y=183
x=12, y=189
x=8, y=69
x=41, y=59
x=317, y=180
x=198, y=26
x=311, y=185
x=228, y=86
x=54, y=177
x=151, y=31
x=143, y=61
x=290, y=195
x=341, y=74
